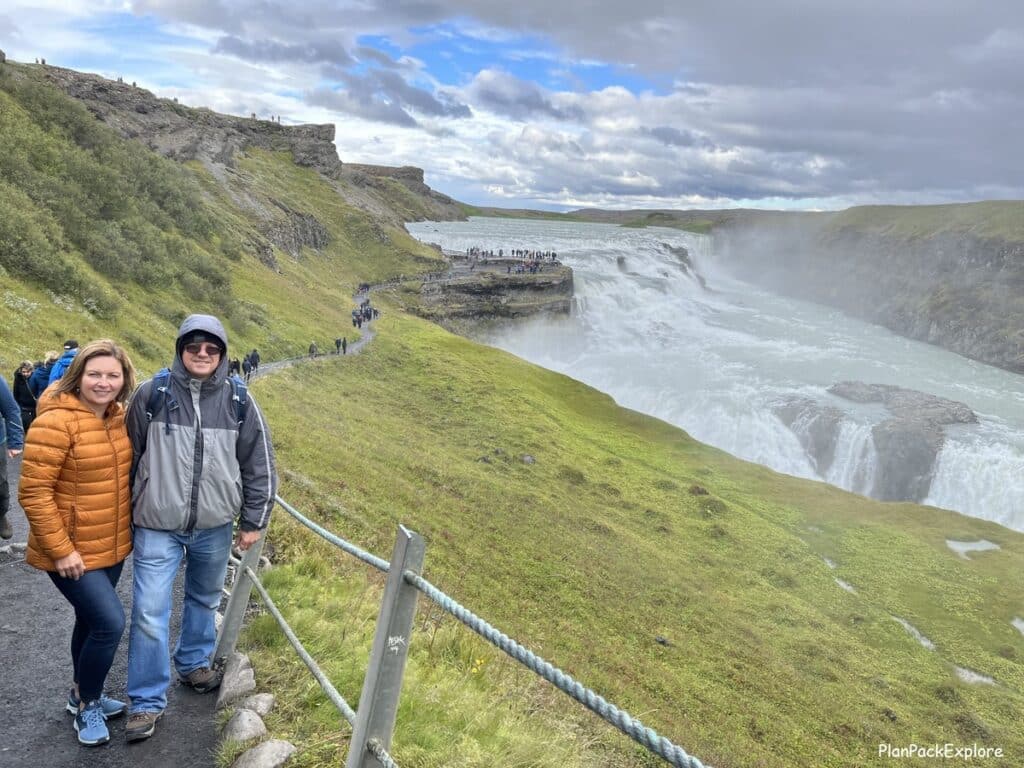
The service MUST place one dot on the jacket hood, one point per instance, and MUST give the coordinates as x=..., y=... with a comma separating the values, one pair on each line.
x=211, y=326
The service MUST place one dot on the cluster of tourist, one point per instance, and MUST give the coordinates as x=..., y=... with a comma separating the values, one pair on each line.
x=364, y=313
x=101, y=479
x=246, y=367
x=526, y=254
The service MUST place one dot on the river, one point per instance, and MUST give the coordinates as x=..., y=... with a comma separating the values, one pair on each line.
x=713, y=361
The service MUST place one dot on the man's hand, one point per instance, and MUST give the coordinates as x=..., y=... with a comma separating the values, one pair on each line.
x=12, y=452
x=246, y=539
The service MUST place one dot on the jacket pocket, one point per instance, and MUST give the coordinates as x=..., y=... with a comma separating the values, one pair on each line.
x=73, y=525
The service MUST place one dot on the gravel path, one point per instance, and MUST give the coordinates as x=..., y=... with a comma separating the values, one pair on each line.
x=35, y=674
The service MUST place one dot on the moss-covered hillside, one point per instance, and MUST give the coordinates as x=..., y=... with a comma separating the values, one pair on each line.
x=748, y=616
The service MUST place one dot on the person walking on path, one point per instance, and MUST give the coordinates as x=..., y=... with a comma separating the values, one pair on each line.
x=23, y=393
x=12, y=438
x=337, y=346
x=344, y=345
x=74, y=490
x=313, y=349
x=70, y=350
x=40, y=378
x=186, y=512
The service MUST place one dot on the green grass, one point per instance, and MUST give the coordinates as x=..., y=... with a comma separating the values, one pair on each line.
x=998, y=219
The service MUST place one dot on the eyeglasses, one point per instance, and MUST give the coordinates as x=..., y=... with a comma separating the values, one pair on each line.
x=210, y=349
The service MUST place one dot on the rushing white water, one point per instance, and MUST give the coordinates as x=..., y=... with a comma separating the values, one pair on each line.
x=715, y=361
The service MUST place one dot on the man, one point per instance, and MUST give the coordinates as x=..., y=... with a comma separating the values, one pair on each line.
x=12, y=440
x=196, y=468
x=70, y=350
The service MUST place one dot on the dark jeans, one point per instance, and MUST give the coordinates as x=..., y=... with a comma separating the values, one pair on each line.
x=99, y=624
x=5, y=493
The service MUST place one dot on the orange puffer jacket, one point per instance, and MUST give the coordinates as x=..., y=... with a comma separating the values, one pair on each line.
x=74, y=484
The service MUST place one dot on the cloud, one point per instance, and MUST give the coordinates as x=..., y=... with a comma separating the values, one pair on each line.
x=509, y=96
x=654, y=102
x=270, y=50
x=364, y=105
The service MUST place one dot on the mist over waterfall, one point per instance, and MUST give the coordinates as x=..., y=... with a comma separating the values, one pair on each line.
x=746, y=370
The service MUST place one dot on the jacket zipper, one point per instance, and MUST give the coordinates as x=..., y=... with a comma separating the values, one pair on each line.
x=117, y=491
x=197, y=468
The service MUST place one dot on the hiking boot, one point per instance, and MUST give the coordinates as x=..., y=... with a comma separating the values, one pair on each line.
x=202, y=680
x=6, y=531
x=110, y=707
x=91, y=727
x=140, y=725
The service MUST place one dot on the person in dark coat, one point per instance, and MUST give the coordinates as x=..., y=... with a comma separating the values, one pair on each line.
x=344, y=345
x=12, y=440
x=23, y=394
x=247, y=367
x=40, y=378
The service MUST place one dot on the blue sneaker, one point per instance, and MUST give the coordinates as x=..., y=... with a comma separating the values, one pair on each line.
x=91, y=727
x=110, y=707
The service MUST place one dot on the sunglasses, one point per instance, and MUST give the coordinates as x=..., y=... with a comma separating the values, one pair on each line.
x=210, y=349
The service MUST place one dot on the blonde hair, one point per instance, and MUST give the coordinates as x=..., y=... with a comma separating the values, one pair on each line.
x=50, y=357
x=72, y=378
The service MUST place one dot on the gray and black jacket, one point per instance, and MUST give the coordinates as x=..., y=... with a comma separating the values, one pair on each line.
x=202, y=471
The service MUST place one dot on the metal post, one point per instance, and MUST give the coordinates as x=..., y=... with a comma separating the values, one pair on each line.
x=378, y=703
x=234, y=614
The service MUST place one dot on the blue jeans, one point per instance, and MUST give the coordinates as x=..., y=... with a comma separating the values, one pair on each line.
x=99, y=624
x=155, y=563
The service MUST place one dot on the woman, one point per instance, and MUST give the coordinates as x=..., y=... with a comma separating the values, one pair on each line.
x=23, y=393
x=74, y=490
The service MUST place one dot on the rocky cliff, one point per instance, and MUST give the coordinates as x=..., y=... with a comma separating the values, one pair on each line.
x=956, y=282
x=463, y=298
x=184, y=133
x=907, y=436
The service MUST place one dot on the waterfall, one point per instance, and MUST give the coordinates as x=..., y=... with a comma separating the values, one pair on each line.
x=673, y=333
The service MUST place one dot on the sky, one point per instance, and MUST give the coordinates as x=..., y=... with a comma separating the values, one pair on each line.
x=563, y=104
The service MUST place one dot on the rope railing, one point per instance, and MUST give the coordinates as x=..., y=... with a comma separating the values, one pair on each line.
x=373, y=721
x=332, y=693
x=565, y=683
x=379, y=563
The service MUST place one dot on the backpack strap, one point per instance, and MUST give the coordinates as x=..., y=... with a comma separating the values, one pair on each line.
x=240, y=397
x=158, y=394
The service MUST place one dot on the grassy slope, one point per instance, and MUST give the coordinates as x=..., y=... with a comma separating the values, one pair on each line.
x=599, y=547
x=586, y=555
x=998, y=219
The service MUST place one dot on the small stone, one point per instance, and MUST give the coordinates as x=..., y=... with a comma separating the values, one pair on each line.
x=245, y=725
x=269, y=754
x=528, y=459
x=260, y=703
x=663, y=641
x=239, y=679
x=484, y=459
x=19, y=546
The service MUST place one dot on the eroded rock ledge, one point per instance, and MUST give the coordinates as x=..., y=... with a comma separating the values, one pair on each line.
x=462, y=298
x=907, y=441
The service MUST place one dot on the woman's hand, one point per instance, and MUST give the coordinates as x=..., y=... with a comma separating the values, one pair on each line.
x=71, y=566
